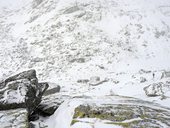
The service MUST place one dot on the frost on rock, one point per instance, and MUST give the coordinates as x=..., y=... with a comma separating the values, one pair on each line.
x=130, y=114
x=157, y=89
x=69, y=41
x=21, y=91
x=50, y=101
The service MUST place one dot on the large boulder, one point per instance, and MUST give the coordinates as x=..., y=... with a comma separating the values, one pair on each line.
x=21, y=91
x=51, y=100
x=50, y=103
x=156, y=89
x=121, y=112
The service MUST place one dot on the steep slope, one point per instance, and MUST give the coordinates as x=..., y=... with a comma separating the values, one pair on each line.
x=119, y=46
x=130, y=35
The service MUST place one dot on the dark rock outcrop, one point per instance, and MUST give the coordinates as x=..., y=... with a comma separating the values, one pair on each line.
x=21, y=91
x=14, y=118
x=51, y=100
x=52, y=91
x=20, y=95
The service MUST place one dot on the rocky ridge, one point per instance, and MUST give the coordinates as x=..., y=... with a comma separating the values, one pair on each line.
x=20, y=100
x=92, y=49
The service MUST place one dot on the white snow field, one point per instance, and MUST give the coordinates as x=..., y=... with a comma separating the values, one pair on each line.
x=91, y=48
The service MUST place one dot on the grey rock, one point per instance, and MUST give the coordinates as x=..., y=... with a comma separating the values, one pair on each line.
x=78, y=60
x=50, y=103
x=83, y=81
x=30, y=74
x=129, y=114
x=17, y=118
x=21, y=91
x=95, y=80
x=165, y=74
x=142, y=79
x=38, y=124
x=156, y=89
x=35, y=3
x=52, y=90
x=71, y=10
x=142, y=71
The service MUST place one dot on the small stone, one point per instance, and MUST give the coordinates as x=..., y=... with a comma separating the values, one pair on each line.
x=71, y=10
x=84, y=81
x=52, y=90
x=165, y=74
x=142, y=80
x=50, y=103
x=95, y=80
x=80, y=60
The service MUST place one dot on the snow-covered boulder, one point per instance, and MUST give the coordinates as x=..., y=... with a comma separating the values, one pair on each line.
x=51, y=100
x=165, y=74
x=128, y=113
x=21, y=91
x=142, y=79
x=95, y=80
x=156, y=89
x=51, y=91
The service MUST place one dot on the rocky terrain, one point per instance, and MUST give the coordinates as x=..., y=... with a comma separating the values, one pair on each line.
x=110, y=57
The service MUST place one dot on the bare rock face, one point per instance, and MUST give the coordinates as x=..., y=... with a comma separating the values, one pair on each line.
x=20, y=95
x=50, y=103
x=51, y=100
x=156, y=89
x=14, y=118
x=21, y=91
x=127, y=114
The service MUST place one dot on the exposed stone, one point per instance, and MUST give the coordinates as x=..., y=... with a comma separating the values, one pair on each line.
x=95, y=80
x=142, y=80
x=83, y=81
x=17, y=118
x=34, y=116
x=78, y=60
x=35, y=3
x=52, y=90
x=165, y=74
x=71, y=10
x=50, y=103
x=38, y=124
x=125, y=115
x=21, y=91
x=156, y=89
x=30, y=74
x=144, y=71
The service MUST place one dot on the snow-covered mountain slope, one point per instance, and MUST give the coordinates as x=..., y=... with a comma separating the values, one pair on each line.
x=122, y=45
x=58, y=35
